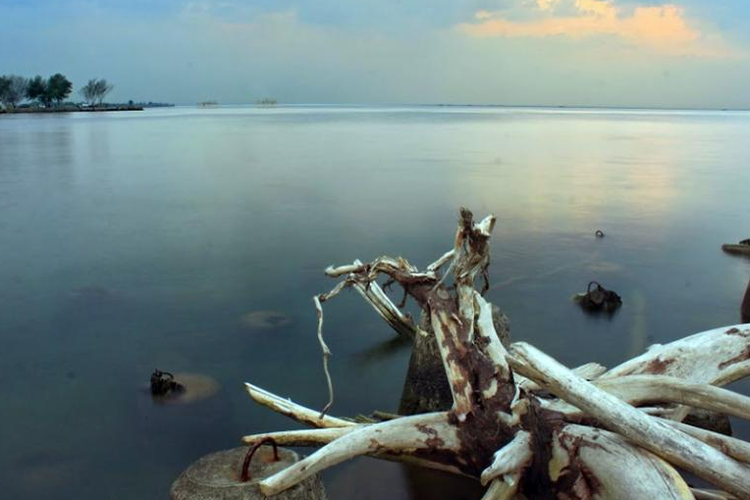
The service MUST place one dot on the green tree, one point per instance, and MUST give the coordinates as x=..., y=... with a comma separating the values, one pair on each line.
x=37, y=91
x=12, y=90
x=58, y=88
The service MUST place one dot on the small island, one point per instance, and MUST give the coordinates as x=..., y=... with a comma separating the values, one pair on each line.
x=50, y=95
x=266, y=102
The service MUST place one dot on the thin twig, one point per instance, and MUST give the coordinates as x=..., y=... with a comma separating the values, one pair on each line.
x=326, y=355
x=326, y=351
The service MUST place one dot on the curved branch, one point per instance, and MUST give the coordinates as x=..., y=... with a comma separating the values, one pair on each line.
x=654, y=389
x=643, y=430
x=444, y=259
x=639, y=389
x=735, y=448
x=324, y=348
x=406, y=435
x=293, y=410
x=386, y=309
x=717, y=357
x=589, y=371
x=368, y=288
x=304, y=437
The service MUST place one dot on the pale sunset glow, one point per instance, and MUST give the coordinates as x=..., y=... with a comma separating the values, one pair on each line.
x=664, y=28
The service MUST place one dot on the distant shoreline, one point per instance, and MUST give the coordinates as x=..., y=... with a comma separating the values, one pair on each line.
x=74, y=109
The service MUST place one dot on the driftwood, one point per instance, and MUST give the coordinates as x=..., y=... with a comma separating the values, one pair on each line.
x=524, y=424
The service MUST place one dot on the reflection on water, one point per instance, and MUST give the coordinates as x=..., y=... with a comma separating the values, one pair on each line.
x=130, y=241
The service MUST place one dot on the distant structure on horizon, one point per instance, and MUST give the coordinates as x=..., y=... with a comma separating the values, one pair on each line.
x=266, y=102
x=206, y=104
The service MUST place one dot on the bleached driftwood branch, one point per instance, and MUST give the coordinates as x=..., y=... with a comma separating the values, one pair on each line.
x=293, y=410
x=403, y=435
x=647, y=432
x=588, y=442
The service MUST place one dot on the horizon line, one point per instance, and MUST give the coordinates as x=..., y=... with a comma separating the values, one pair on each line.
x=470, y=105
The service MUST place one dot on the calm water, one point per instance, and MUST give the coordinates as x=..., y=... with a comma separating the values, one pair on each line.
x=131, y=241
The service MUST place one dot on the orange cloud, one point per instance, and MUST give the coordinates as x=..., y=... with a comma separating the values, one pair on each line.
x=546, y=4
x=664, y=28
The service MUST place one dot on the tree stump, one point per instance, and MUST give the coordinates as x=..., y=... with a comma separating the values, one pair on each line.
x=426, y=386
x=217, y=477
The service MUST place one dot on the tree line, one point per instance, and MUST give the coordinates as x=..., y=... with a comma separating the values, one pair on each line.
x=48, y=92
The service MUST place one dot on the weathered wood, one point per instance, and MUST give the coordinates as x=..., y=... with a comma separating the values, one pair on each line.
x=293, y=410
x=304, y=437
x=717, y=357
x=376, y=297
x=402, y=435
x=503, y=423
x=640, y=389
x=603, y=465
x=512, y=458
x=644, y=389
x=426, y=386
x=735, y=448
x=503, y=489
x=649, y=433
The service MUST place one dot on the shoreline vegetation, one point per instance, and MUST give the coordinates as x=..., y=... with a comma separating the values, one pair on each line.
x=19, y=94
x=70, y=107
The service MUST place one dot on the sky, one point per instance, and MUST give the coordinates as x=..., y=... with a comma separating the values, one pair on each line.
x=631, y=53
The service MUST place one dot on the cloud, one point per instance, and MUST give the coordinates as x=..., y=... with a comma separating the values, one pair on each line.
x=546, y=4
x=231, y=51
x=662, y=28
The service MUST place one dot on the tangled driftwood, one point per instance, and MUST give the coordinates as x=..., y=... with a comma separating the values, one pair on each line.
x=525, y=425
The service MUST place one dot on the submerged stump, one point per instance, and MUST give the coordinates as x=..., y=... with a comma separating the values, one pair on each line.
x=426, y=386
x=218, y=477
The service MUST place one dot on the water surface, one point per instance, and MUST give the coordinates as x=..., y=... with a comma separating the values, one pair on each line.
x=131, y=241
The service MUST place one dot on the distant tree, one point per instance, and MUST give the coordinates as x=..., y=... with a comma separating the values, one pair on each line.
x=37, y=91
x=12, y=90
x=88, y=92
x=103, y=88
x=4, y=86
x=96, y=90
x=58, y=88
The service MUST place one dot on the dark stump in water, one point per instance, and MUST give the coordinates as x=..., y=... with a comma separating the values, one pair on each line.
x=599, y=299
x=163, y=383
x=182, y=387
x=218, y=477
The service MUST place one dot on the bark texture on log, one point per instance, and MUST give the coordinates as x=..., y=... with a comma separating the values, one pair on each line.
x=426, y=386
